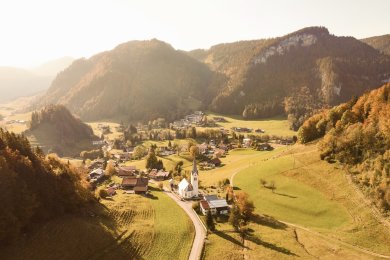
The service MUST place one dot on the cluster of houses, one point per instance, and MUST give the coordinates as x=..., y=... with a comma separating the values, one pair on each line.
x=189, y=120
x=242, y=129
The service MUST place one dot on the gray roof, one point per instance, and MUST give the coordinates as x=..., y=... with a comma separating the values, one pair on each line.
x=211, y=197
x=220, y=203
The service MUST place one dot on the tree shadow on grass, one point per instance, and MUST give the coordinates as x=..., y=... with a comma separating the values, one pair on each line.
x=260, y=242
x=229, y=238
x=268, y=221
x=286, y=195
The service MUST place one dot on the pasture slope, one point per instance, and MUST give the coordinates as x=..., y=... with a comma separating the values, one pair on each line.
x=328, y=218
x=127, y=226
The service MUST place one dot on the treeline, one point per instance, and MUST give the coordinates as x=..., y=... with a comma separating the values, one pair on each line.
x=34, y=188
x=67, y=125
x=357, y=134
x=262, y=110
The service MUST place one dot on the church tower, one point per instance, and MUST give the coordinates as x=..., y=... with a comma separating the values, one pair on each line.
x=194, y=179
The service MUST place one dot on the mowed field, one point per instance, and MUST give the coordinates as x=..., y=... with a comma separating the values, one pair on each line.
x=323, y=215
x=128, y=226
x=273, y=126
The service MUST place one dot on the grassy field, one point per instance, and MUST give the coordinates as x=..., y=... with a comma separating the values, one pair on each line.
x=272, y=126
x=128, y=226
x=235, y=161
x=311, y=193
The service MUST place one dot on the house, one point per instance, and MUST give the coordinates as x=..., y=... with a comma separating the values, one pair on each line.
x=186, y=189
x=216, y=161
x=111, y=191
x=129, y=182
x=139, y=185
x=264, y=147
x=96, y=174
x=98, y=163
x=219, y=152
x=214, y=204
x=247, y=142
x=158, y=175
x=123, y=156
x=202, y=148
x=124, y=171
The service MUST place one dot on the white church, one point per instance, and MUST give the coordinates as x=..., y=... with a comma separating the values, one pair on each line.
x=188, y=190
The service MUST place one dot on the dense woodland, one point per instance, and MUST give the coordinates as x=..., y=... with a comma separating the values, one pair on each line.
x=144, y=80
x=55, y=126
x=35, y=187
x=357, y=133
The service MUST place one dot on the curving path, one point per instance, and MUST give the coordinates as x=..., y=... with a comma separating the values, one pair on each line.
x=200, y=230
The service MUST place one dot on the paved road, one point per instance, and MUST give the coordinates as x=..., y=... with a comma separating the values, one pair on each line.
x=200, y=232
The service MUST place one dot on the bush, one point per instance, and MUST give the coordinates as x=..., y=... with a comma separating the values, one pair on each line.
x=196, y=206
x=103, y=193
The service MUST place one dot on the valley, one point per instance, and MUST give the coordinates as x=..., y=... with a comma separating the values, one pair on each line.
x=276, y=148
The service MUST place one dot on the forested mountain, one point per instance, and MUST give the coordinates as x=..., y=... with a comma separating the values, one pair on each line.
x=142, y=80
x=357, y=133
x=17, y=82
x=381, y=43
x=34, y=188
x=57, y=130
x=138, y=80
x=261, y=74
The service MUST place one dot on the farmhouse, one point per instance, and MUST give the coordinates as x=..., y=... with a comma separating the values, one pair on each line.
x=188, y=190
x=139, y=185
x=96, y=174
x=216, y=162
x=214, y=204
x=98, y=163
x=158, y=175
x=124, y=171
x=264, y=147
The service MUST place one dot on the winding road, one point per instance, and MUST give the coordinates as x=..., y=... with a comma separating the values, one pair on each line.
x=200, y=229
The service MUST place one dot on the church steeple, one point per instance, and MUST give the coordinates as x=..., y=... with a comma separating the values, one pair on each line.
x=194, y=179
x=194, y=169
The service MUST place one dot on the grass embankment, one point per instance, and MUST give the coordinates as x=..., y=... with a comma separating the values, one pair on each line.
x=310, y=193
x=129, y=227
x=158, y=232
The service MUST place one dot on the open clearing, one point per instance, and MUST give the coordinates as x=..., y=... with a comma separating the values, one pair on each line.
x=272, y=126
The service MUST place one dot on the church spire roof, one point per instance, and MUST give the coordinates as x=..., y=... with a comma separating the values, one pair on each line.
x=194, y=169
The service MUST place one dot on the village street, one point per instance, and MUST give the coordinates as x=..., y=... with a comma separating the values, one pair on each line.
x=200, y=232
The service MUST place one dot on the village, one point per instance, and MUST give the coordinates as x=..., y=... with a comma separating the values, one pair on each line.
x=122, y=163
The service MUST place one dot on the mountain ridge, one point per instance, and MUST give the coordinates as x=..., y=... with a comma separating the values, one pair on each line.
x=232, y=78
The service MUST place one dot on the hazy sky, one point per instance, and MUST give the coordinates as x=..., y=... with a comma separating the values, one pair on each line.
x=35, y=31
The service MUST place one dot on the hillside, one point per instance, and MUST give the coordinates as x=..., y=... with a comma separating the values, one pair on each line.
x=381, y=43
x=261, y=74
x=357, y=134
x=143, y=80
x=34, y=189
x=138, y=80
x=17, y=82
x=55, y=129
